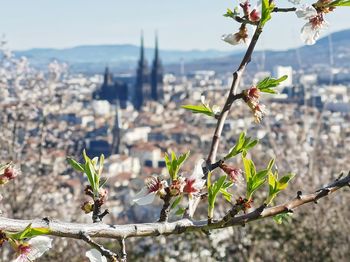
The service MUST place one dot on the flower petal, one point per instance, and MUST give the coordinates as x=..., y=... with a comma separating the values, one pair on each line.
x=309, y=35
x=198, y=170
x=38, y=246
x=306, y=12
x=192, y=204
x=144, y=199
x=95, y=256
x=230, y=38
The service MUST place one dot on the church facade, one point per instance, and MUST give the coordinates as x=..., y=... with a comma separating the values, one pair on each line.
x=145, y=86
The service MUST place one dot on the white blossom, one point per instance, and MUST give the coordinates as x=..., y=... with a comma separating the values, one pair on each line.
x=310, y=32
x=154, y=186
x=306, y=12
x=33, y=249
x=95, y=256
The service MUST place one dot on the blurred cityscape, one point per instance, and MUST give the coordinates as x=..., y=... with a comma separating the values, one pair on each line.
x=134, y=117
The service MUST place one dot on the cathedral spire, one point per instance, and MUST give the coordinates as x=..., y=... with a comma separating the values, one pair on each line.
x=142, y=91
x=142, y=50
x=157, y=74
x=156, y=57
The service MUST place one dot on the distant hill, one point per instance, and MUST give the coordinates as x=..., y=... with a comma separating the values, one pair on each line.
x=123, y=58
x=93, y=58
x=334, y=48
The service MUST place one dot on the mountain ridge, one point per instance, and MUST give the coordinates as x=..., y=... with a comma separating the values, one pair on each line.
x=123, y=57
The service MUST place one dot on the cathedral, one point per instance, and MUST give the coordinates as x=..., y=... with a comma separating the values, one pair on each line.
x=145, y=86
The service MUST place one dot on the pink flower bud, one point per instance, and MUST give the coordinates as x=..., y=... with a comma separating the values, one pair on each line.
x=253, y=92
x=254, y=16
x=11, y=172
x=231, y=171
x=246, y=7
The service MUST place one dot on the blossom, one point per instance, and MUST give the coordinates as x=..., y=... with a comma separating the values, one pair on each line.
x=177, y=186
x=254, y=15
x=234, y=173
x=240, y=37
x=253, y=93
x=310, y=32
x=154, y=186
x=102, y=193
x=9, y=173
x=33, y=249
x=251, y=97
x=259, y=112
x=245, y=5
x=195, y=182
x=95, y=256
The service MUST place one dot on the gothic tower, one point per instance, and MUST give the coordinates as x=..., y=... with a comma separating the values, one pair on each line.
x=157, y=75
x=142, y=87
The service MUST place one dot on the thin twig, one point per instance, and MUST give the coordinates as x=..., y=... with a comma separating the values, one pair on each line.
x=123, y=250
x=284, y=10
x=232, y=96
x=104, y=251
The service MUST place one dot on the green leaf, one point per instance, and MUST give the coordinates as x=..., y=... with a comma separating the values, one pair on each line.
x=266, y=12
x=271, y=163
x=175, y=163
x=254, y=179
x=214, y=189
x=218, y=184
x=90, y=174
x=180, y=211
x=282, y=218
x=244, y=144
x=182, y=158
x=86, y=158
x=176, y=202
x=200, y=109
x=249, y=168
x=283, y=182
x=251, y=144
x=100, y=169
x=29, y=232
x=268, y=83
x=229, y=13
x=103, y=182
x=276, y=186
x=340, y=3
x=74, y=164
x=226, y=194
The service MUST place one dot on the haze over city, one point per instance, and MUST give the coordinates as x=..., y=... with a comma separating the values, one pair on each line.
x=181, y=24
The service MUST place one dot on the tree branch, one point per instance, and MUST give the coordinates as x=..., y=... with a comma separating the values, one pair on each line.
x=284, y=10
x=232, y=96
x=164, y=213
x=73, y=230
x=105, y=252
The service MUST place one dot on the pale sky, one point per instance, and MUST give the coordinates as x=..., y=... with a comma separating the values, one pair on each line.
x=182, y=24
